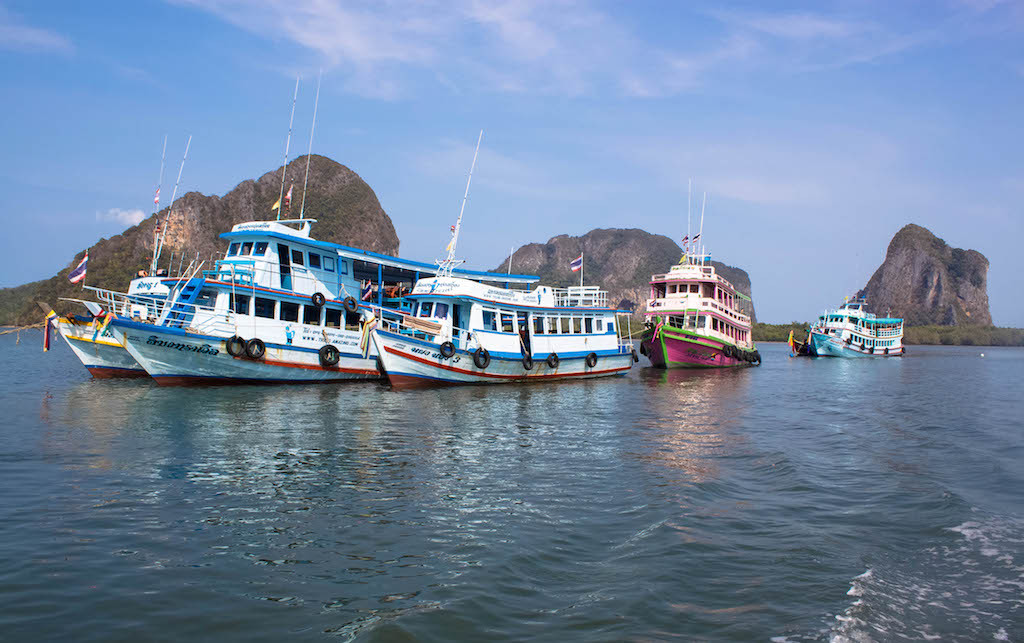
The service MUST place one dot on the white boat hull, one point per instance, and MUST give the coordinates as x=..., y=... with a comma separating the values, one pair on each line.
x=411, y=363
x=104, y=357
x=175, y=357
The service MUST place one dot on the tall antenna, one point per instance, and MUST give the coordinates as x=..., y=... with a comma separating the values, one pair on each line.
x=511, y=251
x=163, y=229
x=156, y=207
x=449, y=263
x=701, y=233
x=284, y=170
x=689, y=198
x=305, y=181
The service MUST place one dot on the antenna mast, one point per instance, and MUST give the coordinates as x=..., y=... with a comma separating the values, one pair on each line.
x=160, y=246
x=156, y=207
x=689, y=198
x=701, y=233
x=450, y=262
x=305, y=181
x=284, y=170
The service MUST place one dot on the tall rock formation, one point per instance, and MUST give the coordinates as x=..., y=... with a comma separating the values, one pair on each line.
x=925, y=281
x=346, y=209
x=620, y=260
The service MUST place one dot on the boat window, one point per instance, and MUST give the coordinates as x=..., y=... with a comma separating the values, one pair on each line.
x=246, y=248
x=352, y=320
x=264, y=307
x=289, y=311
x=611, y=326
x=425, y=308
x=441, y=311
x=538, y=325
x=701, y=321
x=564, y=324
x=297, y=257
x=240, y=304
x=506, y=323
x=488, y=321
x=672, y=289
x=233, y=249
x=343, y=267
x=332, y=318
x=552, y=325
x=328, y=263
x=599, y=323
x=207, y=296
x=260, y=249
x=314, y=260
x=310, y=315
x=588, y=324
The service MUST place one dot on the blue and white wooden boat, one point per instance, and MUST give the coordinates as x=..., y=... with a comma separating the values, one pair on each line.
x=851, y=331
x=462, y=332
x=279, y=307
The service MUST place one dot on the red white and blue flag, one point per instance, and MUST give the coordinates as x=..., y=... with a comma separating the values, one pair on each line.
x=576, y=264
x=367, y=291
x=686, y=240
x=696, y=236
x=156, y=197
x=78, y=274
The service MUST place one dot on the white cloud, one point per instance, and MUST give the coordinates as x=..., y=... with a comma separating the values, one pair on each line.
x=16, y=36
x=124, y=217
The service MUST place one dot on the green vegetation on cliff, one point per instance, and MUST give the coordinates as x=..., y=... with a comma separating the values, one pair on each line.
x=913, y=335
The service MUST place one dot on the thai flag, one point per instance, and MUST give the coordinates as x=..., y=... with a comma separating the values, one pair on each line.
x=78, y=274
x=156, y=198
x=576, y=264
x=367, y=291
x=696, y=236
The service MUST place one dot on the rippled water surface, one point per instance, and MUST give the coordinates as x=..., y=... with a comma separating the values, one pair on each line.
x=805, y=500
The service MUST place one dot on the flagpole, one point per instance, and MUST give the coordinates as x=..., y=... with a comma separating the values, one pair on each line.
x=582, y=261
x=701, y=233
x=156, y=206
x=288, y=142
x=511, y=251
x=689, y=198
x=316, y=103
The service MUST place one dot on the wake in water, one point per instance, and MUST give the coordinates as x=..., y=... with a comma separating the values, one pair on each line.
x=969, y=588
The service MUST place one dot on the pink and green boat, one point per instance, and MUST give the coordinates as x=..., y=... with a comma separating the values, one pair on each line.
x=695, y=321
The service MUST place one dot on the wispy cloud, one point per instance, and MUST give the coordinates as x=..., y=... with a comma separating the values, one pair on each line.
x=17, y=36
x=124, y=217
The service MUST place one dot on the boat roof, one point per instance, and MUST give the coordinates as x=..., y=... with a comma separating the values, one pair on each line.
x=276, y=230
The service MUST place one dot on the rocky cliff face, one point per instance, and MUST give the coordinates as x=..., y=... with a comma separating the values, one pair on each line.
x=346, y=209
x=620, y=260
x=925, y=281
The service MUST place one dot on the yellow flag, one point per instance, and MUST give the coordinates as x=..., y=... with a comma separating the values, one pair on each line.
x=276, y=205
x=449, y=246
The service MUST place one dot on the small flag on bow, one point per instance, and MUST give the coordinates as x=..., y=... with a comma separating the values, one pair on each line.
x=78, y=274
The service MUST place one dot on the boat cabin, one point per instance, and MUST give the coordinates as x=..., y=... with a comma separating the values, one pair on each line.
x=692, y=296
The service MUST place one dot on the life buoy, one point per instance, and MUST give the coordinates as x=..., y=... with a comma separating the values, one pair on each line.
x=350, y=304
x=235, y=346
x=757, y=357
x=636, y=358
x=728, y=351
x=591, y=360
x=255, y=348
x=481, y=358
x=329, y=355
x=887, y=351
x=318, y=299
x=527, y=362
x=643, y=348
x=447, y=349
x=552, y=360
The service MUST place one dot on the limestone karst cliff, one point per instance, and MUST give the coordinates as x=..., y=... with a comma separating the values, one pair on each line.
x=928, y=282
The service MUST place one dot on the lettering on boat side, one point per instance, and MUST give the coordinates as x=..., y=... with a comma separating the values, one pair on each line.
x=205, y=349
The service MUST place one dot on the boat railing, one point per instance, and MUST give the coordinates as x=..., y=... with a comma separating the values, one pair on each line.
x=239, y=271
x=581, y=296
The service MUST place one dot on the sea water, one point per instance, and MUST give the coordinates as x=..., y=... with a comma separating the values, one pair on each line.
x=804, y=500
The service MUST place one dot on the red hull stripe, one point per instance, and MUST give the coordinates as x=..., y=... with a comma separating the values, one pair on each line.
x=103, y=373
x=311, y=367
x=502, y=376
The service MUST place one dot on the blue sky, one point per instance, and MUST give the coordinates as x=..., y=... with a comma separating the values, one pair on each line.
x=818, y=129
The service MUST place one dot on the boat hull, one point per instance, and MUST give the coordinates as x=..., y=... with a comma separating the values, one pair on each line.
x=824, y=345
x=668, y=349
x=410, y=363
x=174, y=357
x=104, y=357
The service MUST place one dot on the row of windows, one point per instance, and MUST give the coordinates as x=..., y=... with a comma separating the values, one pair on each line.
x=298, y=257
x=699, y=322
x=289, y=311
x=506, y=322
x=429, y=309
